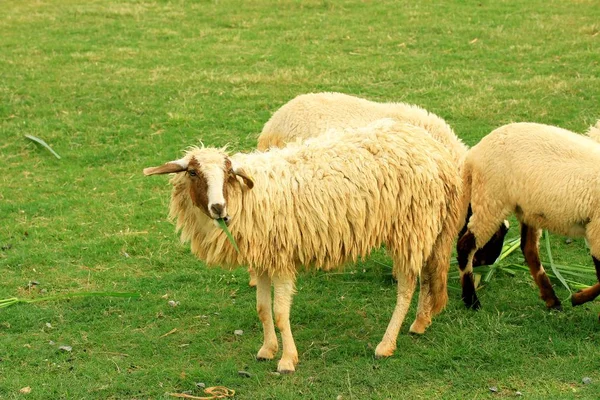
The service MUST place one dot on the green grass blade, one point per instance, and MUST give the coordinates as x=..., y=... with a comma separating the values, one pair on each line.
x=223, y=226
x=554, y=269
x=65, y=296
x=40, y=141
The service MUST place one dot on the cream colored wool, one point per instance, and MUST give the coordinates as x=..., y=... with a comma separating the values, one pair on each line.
x=311, y=115
x=549, y=175
x=594, y=132
x=328, y=201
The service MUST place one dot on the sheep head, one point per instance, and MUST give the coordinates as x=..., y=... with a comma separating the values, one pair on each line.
x=209, y=173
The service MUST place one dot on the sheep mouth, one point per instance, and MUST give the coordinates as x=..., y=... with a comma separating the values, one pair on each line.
x=225, y=219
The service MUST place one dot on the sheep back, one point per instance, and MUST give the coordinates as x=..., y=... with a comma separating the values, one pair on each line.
x=312, y=114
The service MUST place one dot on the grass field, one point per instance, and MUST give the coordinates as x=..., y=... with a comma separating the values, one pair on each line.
x=116, y=86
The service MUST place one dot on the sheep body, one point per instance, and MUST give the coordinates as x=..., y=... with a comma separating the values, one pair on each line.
x=328, y=201
x=547, y=176
x=311, y=200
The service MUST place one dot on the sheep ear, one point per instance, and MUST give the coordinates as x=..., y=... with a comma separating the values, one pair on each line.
x=239, y=171
x=167, y=168
x=245, y=177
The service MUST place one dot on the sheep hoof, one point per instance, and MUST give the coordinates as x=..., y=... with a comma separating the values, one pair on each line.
x=555, y=307
x=418, y=327
x=472, y=304
x=285, y=367
x=575, y=300
x=252, y=282
x=265, y=354
x=384, y=350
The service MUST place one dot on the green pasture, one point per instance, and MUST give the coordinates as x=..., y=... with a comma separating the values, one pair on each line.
x=116, y=86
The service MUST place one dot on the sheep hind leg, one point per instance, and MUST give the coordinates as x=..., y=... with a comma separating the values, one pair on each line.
x=406, y=287
x=530, y=239
x=253, y=278
x=263, y=307
x=284, y=290
x=423, y=319
x=433, y=293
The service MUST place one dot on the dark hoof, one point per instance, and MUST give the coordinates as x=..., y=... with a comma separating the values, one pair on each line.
x=261, y=359
x=286, y=372
x=476, y=305
x=556, y=307
x=472, y=303
x=575, y=300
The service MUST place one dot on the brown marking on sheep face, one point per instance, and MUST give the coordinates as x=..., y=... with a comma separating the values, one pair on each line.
x=198, y=186
x=530, y=248
x=588, y=294
x=465, y=244
x=490, y=252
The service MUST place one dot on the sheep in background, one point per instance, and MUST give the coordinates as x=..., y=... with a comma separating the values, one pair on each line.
x=310, y=115
x=550, y=179
x=318, y=205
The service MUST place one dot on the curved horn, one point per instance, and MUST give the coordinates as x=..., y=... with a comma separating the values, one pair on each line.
x=167, y=168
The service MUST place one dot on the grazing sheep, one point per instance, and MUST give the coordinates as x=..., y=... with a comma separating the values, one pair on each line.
x=310, y=115
x=318, y=205
x=550, y=179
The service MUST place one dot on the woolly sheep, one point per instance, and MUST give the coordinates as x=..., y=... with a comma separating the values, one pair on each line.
x=547, y=177
x=319, y=205
x=310, y=115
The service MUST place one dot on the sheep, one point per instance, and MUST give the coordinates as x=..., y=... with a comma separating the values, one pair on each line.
x=547, y=177
x=312, y=114
x=318, y=205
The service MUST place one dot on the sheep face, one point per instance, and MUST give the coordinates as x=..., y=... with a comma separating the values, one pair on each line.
x=209, y=174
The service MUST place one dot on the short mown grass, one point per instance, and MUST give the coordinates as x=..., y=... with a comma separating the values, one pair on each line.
x=116, y=86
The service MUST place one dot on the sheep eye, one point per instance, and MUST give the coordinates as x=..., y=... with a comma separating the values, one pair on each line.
x=191, y=172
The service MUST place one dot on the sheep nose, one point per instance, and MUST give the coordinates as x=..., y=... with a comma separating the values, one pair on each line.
x=217, y=209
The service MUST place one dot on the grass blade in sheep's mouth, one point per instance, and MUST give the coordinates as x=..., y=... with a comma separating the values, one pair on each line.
x=223, y=226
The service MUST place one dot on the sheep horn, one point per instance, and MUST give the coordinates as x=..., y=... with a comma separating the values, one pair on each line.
x=167, y=168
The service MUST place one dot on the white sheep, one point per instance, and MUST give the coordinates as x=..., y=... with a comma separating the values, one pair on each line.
x=318, y=205
x=550, y=179
x=310, y=115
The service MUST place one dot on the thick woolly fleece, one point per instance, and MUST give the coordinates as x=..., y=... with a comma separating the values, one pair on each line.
x=548, y=176
x=331, y=200
x=310, y=115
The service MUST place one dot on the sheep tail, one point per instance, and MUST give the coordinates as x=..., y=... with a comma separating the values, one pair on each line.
x=594, y=132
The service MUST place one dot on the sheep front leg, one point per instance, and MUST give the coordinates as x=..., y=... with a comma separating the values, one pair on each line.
x=263, y=307
x=406, y=287
x=284, y=290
